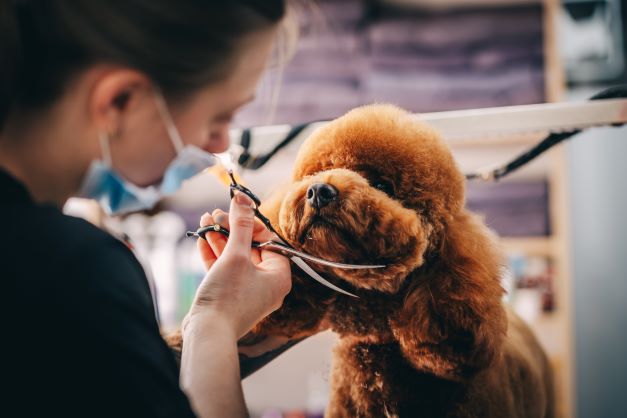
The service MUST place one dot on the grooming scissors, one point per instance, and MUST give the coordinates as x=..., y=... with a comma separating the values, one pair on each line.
x=298, y=257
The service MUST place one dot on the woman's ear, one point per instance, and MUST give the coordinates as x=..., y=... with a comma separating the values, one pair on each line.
x=115, y=93
x=452, y=321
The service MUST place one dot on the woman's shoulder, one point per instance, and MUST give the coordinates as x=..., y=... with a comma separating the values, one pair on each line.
x=50, y=223
x=74, y=237
x=69, y=252
x=25, y=223
x=82, y=313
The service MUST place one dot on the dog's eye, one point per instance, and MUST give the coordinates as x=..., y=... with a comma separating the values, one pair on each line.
x=385, y=186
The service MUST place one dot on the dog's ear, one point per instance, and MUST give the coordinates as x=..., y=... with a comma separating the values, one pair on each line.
x=452, y=321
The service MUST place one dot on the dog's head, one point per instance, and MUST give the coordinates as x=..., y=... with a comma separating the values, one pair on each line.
x=372, y=187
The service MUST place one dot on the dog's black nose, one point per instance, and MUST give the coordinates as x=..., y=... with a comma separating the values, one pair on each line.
x=321, y=194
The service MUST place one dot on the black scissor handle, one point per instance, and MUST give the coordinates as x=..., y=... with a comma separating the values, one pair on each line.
x=202, y=232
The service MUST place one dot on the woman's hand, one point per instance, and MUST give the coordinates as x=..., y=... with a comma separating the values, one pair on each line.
x=243, y=285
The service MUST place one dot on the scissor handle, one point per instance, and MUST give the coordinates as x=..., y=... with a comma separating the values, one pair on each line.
x=243, y=189
x=201, y=232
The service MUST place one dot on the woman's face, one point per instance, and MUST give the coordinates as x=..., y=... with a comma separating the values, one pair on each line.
x=143, y=149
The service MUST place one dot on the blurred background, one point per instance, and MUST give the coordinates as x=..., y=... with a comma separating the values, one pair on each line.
x=561, y=218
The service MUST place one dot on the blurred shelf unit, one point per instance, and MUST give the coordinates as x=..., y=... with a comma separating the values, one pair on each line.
x=537, y=246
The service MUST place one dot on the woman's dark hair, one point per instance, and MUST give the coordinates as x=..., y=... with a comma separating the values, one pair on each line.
x=181, y=45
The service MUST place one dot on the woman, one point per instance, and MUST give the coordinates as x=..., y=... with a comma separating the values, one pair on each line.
x=111, y=100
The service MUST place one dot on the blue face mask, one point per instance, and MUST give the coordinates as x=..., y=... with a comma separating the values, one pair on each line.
x=118, y=196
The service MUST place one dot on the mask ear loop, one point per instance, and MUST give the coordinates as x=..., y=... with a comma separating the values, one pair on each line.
x=173, y=133
x=103, y=137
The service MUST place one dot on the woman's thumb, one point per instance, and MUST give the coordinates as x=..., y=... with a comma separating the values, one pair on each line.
x=241, y=222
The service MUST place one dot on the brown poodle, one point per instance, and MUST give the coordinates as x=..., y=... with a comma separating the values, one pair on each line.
x=429, y=335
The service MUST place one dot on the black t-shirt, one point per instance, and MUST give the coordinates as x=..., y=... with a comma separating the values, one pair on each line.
x=80, y=335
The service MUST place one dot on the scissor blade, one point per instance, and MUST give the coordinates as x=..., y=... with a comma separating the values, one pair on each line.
x=312, y=273
x=318, y=260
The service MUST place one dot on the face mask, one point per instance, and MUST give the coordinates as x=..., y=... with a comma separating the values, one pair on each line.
x=117, y=195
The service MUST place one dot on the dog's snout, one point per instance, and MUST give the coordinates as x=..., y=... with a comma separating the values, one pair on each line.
x=320, y=195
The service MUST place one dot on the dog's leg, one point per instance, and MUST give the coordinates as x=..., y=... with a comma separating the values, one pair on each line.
x=361, y=381
x=343, y=378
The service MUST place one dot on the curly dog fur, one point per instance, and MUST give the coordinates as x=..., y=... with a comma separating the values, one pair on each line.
x=429, y=335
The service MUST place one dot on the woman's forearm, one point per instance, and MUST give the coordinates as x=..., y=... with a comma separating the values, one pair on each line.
x=210, y=373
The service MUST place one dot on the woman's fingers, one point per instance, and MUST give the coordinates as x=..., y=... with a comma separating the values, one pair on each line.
x=233, y=278
x=206, y=252
x=272, y=260
x=263, y=234
x=217, y=242
x=241, y=222
x=276, y=264
x=222, y=218
x=260, y=234
x=255, y=256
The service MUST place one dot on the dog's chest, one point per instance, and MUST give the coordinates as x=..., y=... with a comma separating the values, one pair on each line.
x=370, y=379
x=367, y=316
